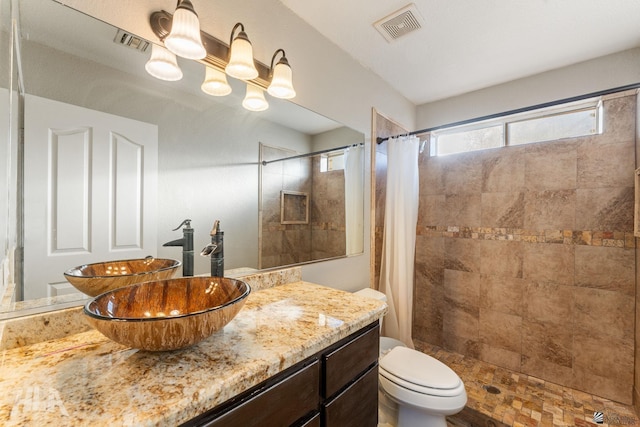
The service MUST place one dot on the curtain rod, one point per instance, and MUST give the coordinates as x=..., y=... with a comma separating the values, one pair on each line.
x=380, y=140
x=328, y=150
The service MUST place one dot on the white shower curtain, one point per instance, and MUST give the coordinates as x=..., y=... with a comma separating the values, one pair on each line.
x=354, y=199
x=399, y=239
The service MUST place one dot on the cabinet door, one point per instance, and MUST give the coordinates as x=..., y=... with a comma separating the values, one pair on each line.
x=348, y=361
x=313, y=422
x=282, y=404
x=356, y=406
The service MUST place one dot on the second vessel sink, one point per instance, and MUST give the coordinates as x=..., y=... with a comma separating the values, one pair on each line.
x=167, y=314
x=100, y=277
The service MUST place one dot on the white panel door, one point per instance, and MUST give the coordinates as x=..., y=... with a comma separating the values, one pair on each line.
x=90, y=191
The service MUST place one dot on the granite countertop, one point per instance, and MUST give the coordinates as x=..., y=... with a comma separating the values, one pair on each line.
x=86, y=379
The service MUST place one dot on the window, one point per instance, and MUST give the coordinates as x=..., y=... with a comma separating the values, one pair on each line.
x=469, y=140
x=564, y=121
x=332, y=161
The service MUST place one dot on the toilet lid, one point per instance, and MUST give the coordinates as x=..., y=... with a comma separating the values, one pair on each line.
x=418, y=368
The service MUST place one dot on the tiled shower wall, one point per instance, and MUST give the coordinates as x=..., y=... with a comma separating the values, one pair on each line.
x=327, y=215
x=282, y=244
x=525, y=256
x=324, y=236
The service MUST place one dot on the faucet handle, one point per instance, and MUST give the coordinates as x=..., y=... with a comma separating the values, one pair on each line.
x=186, y=223
x=208, y=249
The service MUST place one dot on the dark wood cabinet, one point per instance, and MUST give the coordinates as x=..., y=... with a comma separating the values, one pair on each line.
x=357, y=405
x=313, y=422
x=337, y=387
x=343, y=364
x=281, y=404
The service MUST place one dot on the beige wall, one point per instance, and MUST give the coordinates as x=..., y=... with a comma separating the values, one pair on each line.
x=525, y=256
x=606, y=72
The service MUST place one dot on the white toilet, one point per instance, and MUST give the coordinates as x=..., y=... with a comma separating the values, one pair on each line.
x=416, y=390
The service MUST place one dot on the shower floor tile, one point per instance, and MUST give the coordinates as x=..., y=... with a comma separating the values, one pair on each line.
x=523, y=400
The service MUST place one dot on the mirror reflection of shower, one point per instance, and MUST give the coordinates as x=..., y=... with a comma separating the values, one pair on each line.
x=311, y=204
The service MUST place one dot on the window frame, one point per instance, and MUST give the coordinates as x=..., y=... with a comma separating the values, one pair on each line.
x=590, y=104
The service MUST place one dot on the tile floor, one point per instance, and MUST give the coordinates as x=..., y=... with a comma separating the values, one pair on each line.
x=524, y=401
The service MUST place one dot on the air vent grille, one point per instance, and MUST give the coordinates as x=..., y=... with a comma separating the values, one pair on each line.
x=129, y=40
x=400, y=23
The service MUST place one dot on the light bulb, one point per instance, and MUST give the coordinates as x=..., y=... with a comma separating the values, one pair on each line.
x=163, y=64
x=281, y=85
x=241, y=65
x=254, y=99
x=215, y=83
x=184, y=39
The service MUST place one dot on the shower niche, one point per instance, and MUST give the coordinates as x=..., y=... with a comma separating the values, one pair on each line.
x=294, y=207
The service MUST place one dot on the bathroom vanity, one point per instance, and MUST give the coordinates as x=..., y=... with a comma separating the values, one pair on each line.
x=337, y=387
x=297, y=354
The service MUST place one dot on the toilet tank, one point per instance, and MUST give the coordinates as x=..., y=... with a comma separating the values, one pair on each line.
x=386, y=344
x=372, y=293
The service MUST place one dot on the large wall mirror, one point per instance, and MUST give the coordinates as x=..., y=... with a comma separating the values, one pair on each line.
x=213, y=160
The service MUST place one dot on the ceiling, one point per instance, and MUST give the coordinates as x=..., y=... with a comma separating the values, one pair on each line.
x=466, y=45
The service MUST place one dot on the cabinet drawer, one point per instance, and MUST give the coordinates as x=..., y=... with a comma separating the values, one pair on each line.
x=313, y=422
x=348, y=361
x=357, y=406
x=282, y=404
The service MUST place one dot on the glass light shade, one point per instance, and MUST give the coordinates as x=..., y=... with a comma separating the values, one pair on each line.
x=241, y=65
x=281, y=85
x=254, y=99
x=215, y=83
x=184, y=39
x=163, y=64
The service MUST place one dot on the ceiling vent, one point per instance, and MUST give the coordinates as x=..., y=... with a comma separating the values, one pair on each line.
x=129, y=40
x=400, y=23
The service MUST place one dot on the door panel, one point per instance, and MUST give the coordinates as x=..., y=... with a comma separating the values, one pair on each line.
x=127, y=203
x=69, y=181
x=89, y=191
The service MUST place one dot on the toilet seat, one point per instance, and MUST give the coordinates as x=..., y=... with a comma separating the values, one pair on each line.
x=420, y=373
x=437, y=405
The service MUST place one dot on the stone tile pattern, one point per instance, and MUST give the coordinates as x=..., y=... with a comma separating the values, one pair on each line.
x=525, y=256
x=327, y=214
x=286, y=244
x=525, y=400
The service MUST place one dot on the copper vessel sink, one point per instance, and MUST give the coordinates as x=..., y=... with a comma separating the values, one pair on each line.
x=95, y=279
x=167, y=314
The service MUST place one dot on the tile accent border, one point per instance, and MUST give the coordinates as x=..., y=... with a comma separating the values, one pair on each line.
x=614, y=239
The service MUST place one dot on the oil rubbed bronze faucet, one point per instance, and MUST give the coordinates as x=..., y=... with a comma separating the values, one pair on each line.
x=187, y=247
x=215, y=250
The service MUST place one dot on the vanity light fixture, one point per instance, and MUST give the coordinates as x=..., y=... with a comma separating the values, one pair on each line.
x=281, y=85
x=235, y=59
x=163, y=64
x=215, y=82
x=184, y=39
x=241, y=64
x=254, y=99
